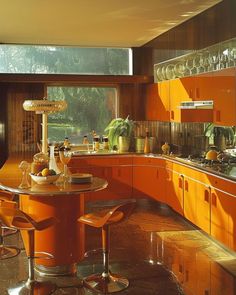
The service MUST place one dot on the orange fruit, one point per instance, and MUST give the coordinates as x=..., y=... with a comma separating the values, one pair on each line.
x=211, y=155
x=45, y=172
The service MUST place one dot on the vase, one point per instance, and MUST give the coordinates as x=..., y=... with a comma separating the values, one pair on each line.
x=123, y=144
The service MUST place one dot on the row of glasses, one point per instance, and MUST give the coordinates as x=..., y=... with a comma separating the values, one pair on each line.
x=210, y=59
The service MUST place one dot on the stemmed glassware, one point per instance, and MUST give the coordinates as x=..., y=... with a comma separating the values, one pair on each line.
x=65, y=156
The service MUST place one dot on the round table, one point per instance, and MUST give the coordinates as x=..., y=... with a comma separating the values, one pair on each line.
x=65, y=201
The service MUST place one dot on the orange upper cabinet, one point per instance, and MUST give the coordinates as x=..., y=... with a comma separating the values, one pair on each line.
x=188, y=89
x=224, y=97
x=157, y=101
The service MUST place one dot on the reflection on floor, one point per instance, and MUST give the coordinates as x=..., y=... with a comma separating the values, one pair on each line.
x=156, y=249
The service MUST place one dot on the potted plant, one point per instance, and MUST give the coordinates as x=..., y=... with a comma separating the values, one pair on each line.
x=119, y=133
x=220, y=135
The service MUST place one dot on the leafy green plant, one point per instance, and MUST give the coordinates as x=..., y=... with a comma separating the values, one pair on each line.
x=119, y=127
x=213, y=132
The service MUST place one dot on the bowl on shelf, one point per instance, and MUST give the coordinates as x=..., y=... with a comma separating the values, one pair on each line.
x=45, y=179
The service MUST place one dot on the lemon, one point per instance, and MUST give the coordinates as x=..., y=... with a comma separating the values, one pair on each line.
x=211, y=155
x=45, y=172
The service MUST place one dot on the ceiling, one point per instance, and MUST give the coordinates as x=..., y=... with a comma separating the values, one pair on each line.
x=94, y=23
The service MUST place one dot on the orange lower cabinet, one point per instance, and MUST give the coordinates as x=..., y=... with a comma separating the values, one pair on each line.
x=232, y=222
x=174, y=191
x=203, y=207
x=149, y=181
x=220, y=205
x=141, y=181
x=190, y=188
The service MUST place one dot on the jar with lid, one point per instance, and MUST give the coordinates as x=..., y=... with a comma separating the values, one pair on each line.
x=40, y=161
x=96, y=143
x=105, y=143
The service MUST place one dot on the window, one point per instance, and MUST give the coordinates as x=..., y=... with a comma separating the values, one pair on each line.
x=89, y=108
x=65, y=60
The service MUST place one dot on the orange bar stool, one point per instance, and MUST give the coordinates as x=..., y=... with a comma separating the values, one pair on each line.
x=7, y=251
x=107, y=282
x=17, y=219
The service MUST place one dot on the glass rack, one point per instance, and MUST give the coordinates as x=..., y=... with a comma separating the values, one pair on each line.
x=216, y=57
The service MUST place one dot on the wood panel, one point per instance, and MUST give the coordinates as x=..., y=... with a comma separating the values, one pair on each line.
x=23, y=128
x=212, y=26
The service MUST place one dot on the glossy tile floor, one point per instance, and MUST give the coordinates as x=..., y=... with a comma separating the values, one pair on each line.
x=160, y=253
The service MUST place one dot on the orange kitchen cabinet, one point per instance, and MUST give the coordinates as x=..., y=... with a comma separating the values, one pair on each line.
x=188, y=89
x=180, y=90
x=157, y=101
x=149, y=178
x=220, y=206
x=190, y=199
x=224, y=97
x=175, y=191
x=116, y=170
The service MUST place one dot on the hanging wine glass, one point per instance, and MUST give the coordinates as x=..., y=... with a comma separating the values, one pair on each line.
x=190, y=65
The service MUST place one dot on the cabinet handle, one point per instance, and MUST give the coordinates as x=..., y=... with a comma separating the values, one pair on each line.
x=206, y=292
x=190, y=93
x=157, y=174
x=214, y=200
x=180, y=268
x=186, y=185
x=186, y=275
x=172, y=115
x=197, y=93
x=119, y=173
x=180, y=183
x=217, y=116
x=206, y=196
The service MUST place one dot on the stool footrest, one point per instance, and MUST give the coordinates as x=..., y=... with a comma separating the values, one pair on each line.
x=44, y=255
x=111, y=284
x=92, y=252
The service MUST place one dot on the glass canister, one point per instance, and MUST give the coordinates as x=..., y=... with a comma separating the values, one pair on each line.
x=40, y=161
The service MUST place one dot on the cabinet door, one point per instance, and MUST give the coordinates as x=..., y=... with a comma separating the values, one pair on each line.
x=203, y=220
x=224, y=98
x=163, y=112
x=220, y=205
x=174, y=191
x=157, y=101
x=190, y=199
x=181, y=89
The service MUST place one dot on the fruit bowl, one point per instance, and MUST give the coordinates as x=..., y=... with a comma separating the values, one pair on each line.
x=45, y=179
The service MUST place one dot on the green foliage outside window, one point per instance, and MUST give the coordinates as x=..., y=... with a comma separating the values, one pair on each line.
x=89, y=108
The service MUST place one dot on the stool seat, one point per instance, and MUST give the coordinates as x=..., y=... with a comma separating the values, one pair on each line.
x=17, y=219
x=7, y=251
x=107, y=282
x=100, y=218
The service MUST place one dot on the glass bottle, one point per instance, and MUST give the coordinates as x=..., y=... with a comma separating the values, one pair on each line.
x=52, y=160
x=147, y=143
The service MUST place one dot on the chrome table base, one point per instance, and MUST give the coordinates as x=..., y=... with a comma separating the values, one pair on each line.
x=111, y=284
x=34, y=287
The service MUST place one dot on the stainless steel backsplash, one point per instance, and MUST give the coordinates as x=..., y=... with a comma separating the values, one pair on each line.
x=184, y=138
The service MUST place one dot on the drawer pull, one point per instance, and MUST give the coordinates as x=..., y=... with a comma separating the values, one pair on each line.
x=214, y=200
x=206, y=196
x=186, y=185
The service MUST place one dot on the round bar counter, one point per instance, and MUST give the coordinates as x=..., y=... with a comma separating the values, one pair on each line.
x=62, y=200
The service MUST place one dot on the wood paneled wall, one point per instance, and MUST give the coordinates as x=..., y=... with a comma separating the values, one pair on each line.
x=212, y=26
x=21, y=129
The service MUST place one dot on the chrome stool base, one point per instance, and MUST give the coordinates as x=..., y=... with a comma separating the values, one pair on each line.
x=111, y=284
x=34, y=287
x=8, y=252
